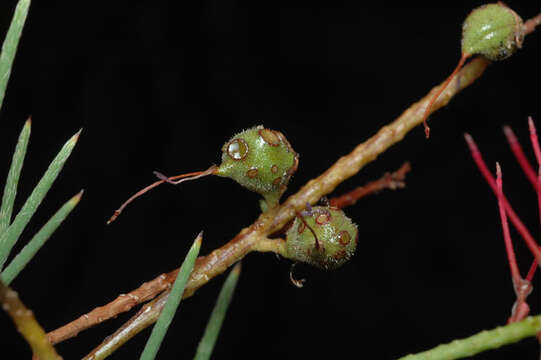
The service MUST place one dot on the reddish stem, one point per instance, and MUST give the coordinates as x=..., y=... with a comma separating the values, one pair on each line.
x=530, y=24
x=443, y=87
x=533, y=267
x=391, y=181
x=534, y=140
x=531, y=272
x=515, y=273
x=522, y=288
x=523, y=231
x=188, y=176
x=516, y=148
x=535, y=145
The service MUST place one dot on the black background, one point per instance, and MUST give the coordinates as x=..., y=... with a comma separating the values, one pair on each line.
x=162, y=86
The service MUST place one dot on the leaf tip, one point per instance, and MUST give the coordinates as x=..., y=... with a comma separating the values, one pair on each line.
x=75, y=200
x=28, y=122
x=236, y=270
x=199, y=238
x=75, y=137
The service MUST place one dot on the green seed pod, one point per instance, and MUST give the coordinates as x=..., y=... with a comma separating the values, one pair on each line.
x=323, y=237
x=493, y=30
x=261, y=160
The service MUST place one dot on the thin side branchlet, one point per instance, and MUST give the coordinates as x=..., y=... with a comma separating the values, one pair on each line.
x=535, y=179
x=390, y=181
x=515, y=220
x=527, y=168
x=522, y=286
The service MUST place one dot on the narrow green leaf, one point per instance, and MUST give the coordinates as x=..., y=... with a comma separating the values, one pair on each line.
x=12, y=233
x=206, y=345
x=10, y=189
x=28, y=252
x=9, y=48
x=160, y=328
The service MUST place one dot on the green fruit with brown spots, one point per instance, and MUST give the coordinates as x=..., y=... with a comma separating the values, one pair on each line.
x=261, y=160
x=324, y=237
x=493, y=30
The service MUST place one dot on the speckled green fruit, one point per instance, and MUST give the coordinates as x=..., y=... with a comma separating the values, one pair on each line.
x=261, y=160
x=493, y=30
x=336, y=235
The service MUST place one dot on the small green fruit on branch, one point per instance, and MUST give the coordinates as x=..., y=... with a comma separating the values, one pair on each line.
x=493, y=31
x=322, y=236
x=259, y=159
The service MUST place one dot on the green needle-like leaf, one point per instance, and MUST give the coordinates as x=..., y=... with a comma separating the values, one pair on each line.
x=160, y=328
x=26, y=254
x=204, y=350
x=12, y=233
x=10, y=189
x=9, y=48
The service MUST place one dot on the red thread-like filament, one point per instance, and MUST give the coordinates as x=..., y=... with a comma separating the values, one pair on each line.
x=443, y=87
x=184, y=177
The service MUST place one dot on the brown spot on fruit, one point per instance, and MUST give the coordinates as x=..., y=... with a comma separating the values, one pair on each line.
x=294, y=167
x=252, y=173
x=301, y=228
x=323, y=218
x=340, y=255
x=274, y=169
x=237, y=149
x=270, y=137
x=277, y=181
x=344, y=238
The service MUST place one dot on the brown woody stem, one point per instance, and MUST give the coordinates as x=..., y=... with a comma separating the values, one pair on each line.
x=131, y=328
x=123, y=303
